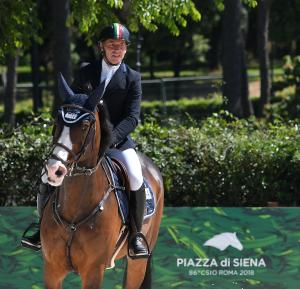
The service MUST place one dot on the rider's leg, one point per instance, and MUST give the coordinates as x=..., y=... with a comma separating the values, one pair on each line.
x=137, y=196
x=33, y=241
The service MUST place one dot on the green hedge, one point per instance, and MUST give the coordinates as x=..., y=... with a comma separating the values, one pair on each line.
x=225, y=162
x=21, y=160
x=183, y=109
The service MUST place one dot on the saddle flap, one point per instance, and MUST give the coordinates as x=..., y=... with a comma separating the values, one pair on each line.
x=119, y=178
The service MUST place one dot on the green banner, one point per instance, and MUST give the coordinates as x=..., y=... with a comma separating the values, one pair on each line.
x=222, y=248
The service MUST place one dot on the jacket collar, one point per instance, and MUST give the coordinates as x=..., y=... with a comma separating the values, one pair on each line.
x=118, y=79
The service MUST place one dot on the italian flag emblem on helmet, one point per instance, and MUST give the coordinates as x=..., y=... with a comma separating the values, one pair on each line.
x=115, y=31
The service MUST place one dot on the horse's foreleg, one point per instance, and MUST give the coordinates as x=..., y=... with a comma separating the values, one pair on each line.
x=135, y=273
x=93, y=277
x=53, y=276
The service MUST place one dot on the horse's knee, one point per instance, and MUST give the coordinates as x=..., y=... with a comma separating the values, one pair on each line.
x=53, y=276
x=92, y=279
x=135, y=273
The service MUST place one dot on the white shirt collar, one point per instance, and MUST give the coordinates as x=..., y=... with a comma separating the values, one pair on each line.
x=108, y=71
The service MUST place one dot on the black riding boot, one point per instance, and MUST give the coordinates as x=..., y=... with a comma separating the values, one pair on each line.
x=33, y=241
x=137, y=207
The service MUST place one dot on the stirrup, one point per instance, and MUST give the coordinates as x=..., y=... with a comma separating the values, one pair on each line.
x=25, y=242
x=138, y=256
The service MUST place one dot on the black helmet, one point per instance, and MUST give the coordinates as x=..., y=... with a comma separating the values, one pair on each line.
x=115, y=31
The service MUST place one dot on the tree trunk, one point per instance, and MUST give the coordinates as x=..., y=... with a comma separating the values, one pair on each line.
x=232, y=57
x=263, y=53
x=246, y=102
x=35, y=72
x=10, y=88
x=213, y=55
x=61, y=45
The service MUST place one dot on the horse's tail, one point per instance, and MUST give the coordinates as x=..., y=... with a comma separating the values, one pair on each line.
x=147, y=282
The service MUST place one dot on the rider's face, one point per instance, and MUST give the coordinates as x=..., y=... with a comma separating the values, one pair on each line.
x=115, y=50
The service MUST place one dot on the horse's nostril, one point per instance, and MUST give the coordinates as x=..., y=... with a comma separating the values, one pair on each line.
x=59, y=173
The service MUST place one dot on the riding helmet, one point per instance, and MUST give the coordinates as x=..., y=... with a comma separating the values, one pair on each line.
x=115, y=31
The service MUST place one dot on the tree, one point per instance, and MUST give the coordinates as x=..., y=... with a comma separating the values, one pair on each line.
x=35, y=68
x=61, y=48
x=232, y=56
x=263, y=52
x=10, y=88
x=285, y=27
x=90, y=14
x=17, y=28
x=235, y=86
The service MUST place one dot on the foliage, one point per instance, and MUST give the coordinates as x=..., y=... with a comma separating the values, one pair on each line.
x=286, y=104
x=224, y=161
x=183, y=109
x=19, y=30
x=291, y=70
x=284, y=26
x=200, y=47
x=147, y=13
x=18, y=25
x=22, y=154
x=220, y=4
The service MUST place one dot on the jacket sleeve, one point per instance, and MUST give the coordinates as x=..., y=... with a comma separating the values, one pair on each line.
x=132, y=112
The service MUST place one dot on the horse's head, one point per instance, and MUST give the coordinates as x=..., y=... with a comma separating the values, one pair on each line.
x=76, y=134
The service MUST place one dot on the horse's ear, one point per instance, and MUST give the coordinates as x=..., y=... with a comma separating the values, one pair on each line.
x=96, y=95
x=63, y=88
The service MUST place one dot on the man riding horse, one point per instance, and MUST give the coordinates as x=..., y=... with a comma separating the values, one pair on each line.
x=122, y=97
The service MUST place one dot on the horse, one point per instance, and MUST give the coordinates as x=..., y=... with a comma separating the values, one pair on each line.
x=81, y=224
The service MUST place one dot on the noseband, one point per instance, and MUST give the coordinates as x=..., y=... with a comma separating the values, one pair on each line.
x=72, y=163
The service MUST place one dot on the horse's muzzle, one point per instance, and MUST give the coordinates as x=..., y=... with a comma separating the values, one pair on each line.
x=55, y=172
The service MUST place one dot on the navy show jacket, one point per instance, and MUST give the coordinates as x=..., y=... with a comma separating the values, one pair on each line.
x=122, y=98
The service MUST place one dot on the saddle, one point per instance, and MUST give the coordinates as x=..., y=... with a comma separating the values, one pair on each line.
x=119, y=179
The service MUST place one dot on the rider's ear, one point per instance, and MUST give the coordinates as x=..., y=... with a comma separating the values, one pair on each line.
x=100, y=46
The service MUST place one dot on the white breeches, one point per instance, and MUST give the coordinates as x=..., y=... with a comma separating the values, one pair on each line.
x=132, y=163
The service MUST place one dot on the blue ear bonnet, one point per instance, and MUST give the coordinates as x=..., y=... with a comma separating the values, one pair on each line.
x=78, y=107
x=72, y=115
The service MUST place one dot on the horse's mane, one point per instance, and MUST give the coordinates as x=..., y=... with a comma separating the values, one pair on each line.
x=106, y=129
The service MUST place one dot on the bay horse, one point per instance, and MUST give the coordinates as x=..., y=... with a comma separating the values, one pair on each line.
x=81, y=225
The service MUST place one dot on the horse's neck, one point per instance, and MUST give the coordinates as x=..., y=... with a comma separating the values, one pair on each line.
x=79, y=195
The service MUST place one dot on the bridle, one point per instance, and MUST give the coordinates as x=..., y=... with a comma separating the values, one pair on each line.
x=74, y=169
x=72, y=163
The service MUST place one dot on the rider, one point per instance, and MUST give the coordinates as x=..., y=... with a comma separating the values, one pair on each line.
x=122, y=97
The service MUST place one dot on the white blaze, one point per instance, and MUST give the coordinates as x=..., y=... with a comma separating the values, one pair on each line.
x=56, y=170
x=66, y=141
